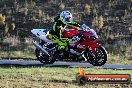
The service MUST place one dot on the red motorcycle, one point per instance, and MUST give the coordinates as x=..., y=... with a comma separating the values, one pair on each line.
x=83, y=47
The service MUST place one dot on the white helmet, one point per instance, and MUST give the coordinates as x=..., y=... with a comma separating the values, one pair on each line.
x=66, y=16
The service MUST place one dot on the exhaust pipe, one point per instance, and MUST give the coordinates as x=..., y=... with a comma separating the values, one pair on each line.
x=40, y=47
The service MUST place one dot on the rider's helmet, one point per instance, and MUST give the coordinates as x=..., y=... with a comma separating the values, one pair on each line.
x=66, y=17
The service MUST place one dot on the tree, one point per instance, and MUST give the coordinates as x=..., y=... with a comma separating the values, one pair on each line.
x=2, y=27
x=5, y=27
x=87, y=8
x=62, y=6
x=100, y=22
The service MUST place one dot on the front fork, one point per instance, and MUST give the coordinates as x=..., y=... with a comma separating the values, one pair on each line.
x=93, y=47
x=90, y=50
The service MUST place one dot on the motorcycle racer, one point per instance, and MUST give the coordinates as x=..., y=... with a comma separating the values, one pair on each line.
x=72, y=44
x=60, y=23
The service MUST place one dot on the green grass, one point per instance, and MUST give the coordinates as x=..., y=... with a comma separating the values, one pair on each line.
x=117, y=59
x=50, y=77
x=17, y=55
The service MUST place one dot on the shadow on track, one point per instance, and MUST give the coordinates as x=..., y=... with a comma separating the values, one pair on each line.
x=33, y=65
x=25, y=62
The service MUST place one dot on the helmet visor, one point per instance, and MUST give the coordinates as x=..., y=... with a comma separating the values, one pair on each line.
x=68, y=19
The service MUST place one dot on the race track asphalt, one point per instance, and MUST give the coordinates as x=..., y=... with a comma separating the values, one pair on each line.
x=61, y=64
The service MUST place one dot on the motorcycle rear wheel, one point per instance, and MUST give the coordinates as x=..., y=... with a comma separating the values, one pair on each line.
x=45, y=59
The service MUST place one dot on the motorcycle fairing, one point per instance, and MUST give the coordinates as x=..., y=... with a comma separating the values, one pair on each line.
x=42, y=34
x=70, y=33
x=86, y=43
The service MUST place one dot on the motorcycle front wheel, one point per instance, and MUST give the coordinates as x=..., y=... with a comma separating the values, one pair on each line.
x=99, y=59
